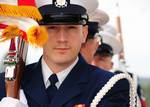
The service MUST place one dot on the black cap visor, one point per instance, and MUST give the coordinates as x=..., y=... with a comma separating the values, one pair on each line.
x=64, y=19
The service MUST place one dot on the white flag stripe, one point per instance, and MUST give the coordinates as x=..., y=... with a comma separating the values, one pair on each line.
x=10, y=2
x=23, y=23
x=40, y=3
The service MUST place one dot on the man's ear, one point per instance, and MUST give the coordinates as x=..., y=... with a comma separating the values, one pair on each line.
x=112, y=64
x=85, y=33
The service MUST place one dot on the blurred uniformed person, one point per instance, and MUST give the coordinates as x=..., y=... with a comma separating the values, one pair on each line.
x=103, y=58
x=92, y=42
x=62, y=78
x=97, y=19
x=104, y=54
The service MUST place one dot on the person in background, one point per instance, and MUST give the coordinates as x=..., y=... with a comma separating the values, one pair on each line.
x=109, y=47
x=92, y=42
x=103, y=57
x=97, y=19
x=104, y=54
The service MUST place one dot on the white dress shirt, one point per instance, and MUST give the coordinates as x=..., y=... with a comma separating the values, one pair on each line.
x=47, y=72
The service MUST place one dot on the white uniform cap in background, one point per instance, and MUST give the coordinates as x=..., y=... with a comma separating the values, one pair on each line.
x=109, y=28
x=99, y=16
x=111, y=40
x=90, y=5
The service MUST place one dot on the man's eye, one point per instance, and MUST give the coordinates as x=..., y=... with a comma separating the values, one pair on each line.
x=51, y=27
x=72, y=27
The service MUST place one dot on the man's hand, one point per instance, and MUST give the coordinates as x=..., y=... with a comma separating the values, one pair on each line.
x=11, y=102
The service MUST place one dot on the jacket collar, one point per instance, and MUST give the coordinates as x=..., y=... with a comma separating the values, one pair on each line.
x=72, y=85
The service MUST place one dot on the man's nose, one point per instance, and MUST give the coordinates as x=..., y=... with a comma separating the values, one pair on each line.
x=62, y=35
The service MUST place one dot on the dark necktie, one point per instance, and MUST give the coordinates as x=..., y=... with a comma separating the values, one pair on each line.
x=52, y=89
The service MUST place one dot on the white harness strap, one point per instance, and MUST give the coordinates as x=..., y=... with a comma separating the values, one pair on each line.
x=110, y=84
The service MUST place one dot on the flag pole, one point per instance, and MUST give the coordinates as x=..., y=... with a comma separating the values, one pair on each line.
x=15, y=63
x=121, y=55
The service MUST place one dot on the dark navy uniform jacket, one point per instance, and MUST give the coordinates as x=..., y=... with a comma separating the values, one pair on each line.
x=80, y=87
x=139, y=89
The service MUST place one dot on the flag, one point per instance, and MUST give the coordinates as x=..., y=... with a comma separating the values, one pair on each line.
x=27, y=28
x=25, y=8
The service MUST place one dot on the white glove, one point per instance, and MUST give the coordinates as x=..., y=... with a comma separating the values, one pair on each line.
x=11, y=102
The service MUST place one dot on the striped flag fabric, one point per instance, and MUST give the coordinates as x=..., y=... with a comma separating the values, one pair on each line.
x=25, y=8
x=27, y=28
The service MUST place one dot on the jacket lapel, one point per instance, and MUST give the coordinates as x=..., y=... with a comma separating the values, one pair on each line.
x=72, y=85
x=34, y=87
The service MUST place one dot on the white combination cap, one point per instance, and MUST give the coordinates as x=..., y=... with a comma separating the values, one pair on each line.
x=99, y=16
x=110, y=39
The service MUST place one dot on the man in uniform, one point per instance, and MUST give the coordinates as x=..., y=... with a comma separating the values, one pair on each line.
x=92, y=42
x=103, y=59
x=62, y=78
x=104, y=54
x=97, y=19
